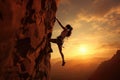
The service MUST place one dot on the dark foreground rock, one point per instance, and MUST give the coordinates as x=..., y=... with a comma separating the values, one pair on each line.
x=25, y=30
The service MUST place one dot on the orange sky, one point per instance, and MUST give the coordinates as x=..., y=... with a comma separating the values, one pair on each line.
x=96, y=27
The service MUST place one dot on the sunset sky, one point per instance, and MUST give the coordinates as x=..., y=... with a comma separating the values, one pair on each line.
x=96, y=28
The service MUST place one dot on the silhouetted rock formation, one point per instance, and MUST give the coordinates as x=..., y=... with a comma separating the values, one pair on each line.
x=25, y=30
x=108, y=70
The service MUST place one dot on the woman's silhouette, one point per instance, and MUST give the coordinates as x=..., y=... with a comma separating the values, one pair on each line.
x=67, y=30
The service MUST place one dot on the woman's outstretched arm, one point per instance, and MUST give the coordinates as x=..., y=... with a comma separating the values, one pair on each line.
x=60, y=23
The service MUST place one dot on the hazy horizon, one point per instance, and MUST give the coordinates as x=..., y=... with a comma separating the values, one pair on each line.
x=75, y=69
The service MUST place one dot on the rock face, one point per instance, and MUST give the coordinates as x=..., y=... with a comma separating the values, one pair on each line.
x=108, y=70
x=25, y=30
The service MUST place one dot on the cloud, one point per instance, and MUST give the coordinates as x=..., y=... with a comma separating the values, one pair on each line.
x=101, y=7
x=88, y=8
x=114, y=45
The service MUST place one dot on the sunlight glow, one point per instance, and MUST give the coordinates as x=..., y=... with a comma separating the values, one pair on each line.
x=86, y=51
x=83, y=50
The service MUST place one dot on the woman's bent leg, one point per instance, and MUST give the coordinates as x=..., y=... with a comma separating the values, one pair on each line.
x=53, y=40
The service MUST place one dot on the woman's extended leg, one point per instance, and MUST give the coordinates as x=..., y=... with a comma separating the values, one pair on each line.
x=60, y=50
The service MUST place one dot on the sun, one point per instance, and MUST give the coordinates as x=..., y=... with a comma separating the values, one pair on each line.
x=83, y=50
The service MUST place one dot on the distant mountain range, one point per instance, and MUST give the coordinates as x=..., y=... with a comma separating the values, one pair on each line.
x=108, y=70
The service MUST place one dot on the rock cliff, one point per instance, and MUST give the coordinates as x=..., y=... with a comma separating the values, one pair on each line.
x=25, y=30
x=108, y=70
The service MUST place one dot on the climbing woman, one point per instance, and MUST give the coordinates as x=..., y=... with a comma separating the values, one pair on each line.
x=67, y=30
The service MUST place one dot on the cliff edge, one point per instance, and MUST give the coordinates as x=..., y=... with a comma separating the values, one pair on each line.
x=25, y=29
